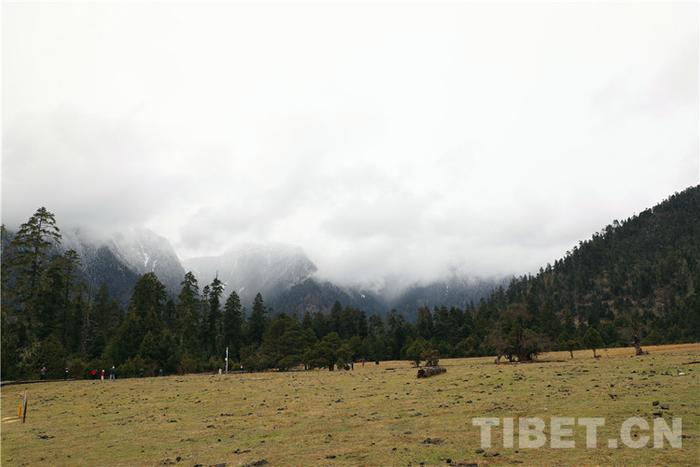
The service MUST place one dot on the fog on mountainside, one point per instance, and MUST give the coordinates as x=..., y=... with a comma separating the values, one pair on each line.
x=283, y=274
x=251, y=268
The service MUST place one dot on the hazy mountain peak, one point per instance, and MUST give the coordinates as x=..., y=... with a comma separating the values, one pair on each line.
x=117, y=258
x=249, y=268
x=144, y=250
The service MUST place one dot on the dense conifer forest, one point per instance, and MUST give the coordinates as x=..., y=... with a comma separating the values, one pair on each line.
x=634, y=282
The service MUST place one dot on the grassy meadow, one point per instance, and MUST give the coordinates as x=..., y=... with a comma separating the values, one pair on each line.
x=374, y=415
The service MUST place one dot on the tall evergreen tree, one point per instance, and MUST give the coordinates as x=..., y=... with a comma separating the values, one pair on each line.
x=31, y=247
x=233, y=324
x=187, y=315
x=99, y=322
x=145, y=315
x=257, y=321
x=70, y=316
x=203, y=314
x=424, y=323
x=214, y=336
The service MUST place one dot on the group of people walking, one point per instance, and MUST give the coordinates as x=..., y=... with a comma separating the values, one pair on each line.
x=95, y=374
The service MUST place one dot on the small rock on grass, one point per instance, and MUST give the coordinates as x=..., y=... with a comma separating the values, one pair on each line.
x=257, y=463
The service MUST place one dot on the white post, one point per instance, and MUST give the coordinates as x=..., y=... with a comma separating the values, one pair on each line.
x=226, y=359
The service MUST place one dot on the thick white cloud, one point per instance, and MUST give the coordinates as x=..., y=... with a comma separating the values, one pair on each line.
x=386, y=140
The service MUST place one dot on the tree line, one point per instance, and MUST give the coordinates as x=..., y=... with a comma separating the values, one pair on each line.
x=634, y=282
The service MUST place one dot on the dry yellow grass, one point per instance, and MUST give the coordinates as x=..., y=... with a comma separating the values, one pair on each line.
x=376, y=415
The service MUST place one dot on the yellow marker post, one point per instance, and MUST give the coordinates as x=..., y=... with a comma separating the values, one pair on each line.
x=19, y=409
x=24, y=407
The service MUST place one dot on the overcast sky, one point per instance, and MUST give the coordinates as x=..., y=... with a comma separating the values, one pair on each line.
x=384, y=139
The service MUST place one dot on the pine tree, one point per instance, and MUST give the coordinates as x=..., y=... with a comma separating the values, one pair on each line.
x=328, y=349
x=424, y=323
x=233, y=324
x=79, y=305
x=414, y=351
x=336, y=318
x=69, y=263
x=257, y=321
x=187, y=315
x=593, y=340
x=31, y=246
x=99, y=322
x=148, y=300
x=145, y=315
x=202, y=318
x=49, y=304
x=307, y=321
x=170, y=315
x=214, y=337
x=397, y=333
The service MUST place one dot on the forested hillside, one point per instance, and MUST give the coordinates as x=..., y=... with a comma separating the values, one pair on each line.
x=635, y=278
x=633, y=282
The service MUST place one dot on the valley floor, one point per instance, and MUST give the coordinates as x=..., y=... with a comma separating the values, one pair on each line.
x=374, y=415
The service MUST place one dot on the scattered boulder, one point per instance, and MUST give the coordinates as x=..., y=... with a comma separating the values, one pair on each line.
x=433, y=441
x=257, y=463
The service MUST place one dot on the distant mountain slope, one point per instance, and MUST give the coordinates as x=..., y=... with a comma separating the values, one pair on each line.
x=145, y=251
x=270, y=269
x=119, y=259
x=316, y=295
x=282, y=273
x=458, y=291
x=645, y=270
x=313, y=295
x=286, y=278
